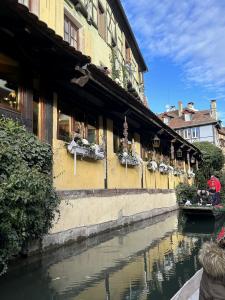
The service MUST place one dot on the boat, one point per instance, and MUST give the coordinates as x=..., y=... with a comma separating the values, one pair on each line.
x=190, y=290
x=203, y=211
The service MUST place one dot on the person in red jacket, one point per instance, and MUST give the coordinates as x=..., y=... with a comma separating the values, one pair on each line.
x=214, y=188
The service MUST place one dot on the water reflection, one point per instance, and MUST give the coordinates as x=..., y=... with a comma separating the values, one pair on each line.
x=149, y=260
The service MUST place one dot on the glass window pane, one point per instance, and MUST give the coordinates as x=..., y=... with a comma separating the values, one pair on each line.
x=91, y=134
x=8, y=95
x=63, y=126
x=70, y=33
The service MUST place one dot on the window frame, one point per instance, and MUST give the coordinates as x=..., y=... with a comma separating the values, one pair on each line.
x=195, y=132
x=73, y=26
x=102, y=22
x=73, y=119
x=187, y=133
x=19, y=94
x=59, y=137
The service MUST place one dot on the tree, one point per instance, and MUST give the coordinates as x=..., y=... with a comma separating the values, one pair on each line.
x=212, y=163
x=28, y=201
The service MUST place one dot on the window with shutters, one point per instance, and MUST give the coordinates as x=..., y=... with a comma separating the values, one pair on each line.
x=71, y=33
x=101, y=21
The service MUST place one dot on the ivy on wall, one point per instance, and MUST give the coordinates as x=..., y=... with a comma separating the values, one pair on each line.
x=28, y=201
x=114, y=65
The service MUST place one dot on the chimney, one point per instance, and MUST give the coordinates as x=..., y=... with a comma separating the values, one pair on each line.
x=190, y=105
x=180, y=108
x=213, y=109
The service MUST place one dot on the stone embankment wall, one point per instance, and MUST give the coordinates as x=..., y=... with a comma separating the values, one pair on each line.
x=87, y=213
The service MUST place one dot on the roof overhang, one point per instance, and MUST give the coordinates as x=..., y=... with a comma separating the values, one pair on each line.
x=44, y=44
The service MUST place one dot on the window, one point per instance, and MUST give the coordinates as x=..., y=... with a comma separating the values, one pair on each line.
x=181, y=132
x=63, y=126
x=166, y=120
x=128, y=53
x=101, y=22
x=195, y=132
x=187, y=133
x=187, y=117
x=77, y=122
x=8, y=96
x=91, y=130
x=71, y=33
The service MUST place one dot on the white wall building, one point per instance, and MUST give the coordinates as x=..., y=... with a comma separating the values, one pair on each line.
x=194, y=125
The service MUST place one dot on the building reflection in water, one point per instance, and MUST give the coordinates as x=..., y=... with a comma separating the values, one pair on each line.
x=148, y=260
x=136, y=267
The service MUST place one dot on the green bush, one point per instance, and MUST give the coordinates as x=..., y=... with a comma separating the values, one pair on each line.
x=185, y=192
x=213, y=158
x=28, y=201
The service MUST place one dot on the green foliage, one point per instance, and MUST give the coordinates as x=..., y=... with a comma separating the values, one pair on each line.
x=213, y=158
x=28, y=201
x=185, y=192
x=212, y=163
x=124, y=76
x=113, y=59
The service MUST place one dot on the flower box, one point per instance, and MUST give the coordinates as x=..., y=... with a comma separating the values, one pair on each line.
x=128, y=159
x=85, y=150
x=163, y=168
x=170, y=170
x=152, y=166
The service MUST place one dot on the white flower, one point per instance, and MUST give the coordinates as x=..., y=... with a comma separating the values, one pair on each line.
x=170, y=169
x=152, y=165
x=85, y=142
x=125, y=154
x=94, y=147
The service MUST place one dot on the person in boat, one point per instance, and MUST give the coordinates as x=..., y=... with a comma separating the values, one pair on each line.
x=214, y=189
x=212, y=259
x=203, y=197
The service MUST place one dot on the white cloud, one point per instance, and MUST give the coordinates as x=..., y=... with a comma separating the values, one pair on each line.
x=189, y=32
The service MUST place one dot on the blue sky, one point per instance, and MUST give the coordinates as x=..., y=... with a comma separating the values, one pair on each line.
x=183, y=43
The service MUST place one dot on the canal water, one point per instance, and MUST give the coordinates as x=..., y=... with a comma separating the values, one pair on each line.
x=148, y=260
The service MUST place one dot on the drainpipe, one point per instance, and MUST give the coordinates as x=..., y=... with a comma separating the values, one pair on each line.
x=106, y=153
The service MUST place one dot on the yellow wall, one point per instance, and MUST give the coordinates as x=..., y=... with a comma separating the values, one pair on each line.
x=91, y=43
x=91, y=174
x=76, y=213
x=52, y=13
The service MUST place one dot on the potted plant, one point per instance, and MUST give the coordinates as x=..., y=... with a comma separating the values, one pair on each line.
x=152, y=166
